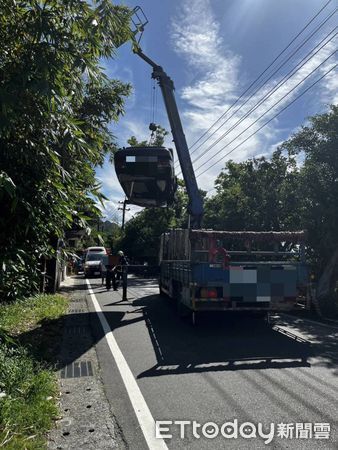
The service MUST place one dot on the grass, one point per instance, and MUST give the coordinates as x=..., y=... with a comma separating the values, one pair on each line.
x=22, y=315
x=28, y=388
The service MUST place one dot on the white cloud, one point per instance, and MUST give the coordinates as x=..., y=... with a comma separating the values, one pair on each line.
x=110, y=211
x=133, y=127
x=197, y=38
x=330, y=93
x=115, y=194
x=114, y=70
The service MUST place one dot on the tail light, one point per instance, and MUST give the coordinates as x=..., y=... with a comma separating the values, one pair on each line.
x=208, y=293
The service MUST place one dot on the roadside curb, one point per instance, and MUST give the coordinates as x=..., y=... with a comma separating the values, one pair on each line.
x=86, y=419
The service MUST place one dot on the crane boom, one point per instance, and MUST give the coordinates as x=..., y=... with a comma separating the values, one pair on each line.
x=195, y=207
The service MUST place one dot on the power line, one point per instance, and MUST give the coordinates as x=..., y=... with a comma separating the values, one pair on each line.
x=286, y=77
x=269, y=109
x=262, y=73
x=266, y=96
x=115, y=213
x=276, y=115
x=262, y=85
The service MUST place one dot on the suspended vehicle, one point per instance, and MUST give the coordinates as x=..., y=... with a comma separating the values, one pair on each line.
x=146, y=175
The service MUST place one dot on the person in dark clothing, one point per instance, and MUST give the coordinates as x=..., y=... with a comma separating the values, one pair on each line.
x=111, y=277
x=123, y=261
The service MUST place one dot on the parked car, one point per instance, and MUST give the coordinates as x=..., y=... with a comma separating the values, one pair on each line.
x=96, y=250
x=92, y=265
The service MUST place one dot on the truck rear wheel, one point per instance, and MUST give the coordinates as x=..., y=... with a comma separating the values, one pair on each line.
x=259, y=314
x=193, y=318
x=182, y=310
x=177, y=295
x=162, y=293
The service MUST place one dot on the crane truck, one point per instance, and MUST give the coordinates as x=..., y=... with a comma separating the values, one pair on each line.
x=233, y=271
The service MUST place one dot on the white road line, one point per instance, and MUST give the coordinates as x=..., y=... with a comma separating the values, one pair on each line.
x=140, y=406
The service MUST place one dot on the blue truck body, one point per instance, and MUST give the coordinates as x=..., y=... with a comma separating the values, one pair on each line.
x=233, y=280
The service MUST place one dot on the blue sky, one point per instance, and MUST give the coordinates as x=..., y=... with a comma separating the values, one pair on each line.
x=213, y=50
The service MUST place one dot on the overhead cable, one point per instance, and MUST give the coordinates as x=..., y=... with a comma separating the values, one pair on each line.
x=265, y=70
x=274, y=89
x=272, y=118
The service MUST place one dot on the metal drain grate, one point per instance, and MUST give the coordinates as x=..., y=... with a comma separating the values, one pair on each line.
x=76, y=310
x=77, y=330
x=77, y=369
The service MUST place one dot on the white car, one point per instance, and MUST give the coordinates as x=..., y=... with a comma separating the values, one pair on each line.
x=92, y=265
x=96, y=250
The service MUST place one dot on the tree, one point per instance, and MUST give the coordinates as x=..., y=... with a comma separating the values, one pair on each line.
x=142, y=233
x=157, y=138
x=297, y=188
x=141, y=238
x=57, y=104
x=258, y=194
x=316, y=145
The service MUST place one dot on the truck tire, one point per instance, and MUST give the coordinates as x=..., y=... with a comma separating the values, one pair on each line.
x=182, y=310
x=259, y=315
x=162, y=293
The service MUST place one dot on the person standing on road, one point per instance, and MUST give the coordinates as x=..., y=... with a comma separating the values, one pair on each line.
x=123, y=261
x=111, y=277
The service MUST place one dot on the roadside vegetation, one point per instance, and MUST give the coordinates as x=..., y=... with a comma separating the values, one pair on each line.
x=29, y=338
x=56, y=106
x=57, y=103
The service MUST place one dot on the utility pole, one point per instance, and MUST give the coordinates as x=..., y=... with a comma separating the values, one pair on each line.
x=124, y=209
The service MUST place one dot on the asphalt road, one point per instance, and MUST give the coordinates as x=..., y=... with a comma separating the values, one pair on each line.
x=222, y=370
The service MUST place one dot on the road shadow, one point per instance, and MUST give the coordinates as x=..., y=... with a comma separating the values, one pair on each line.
x=218, y=343
x=325, y=337
x=60, y=342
